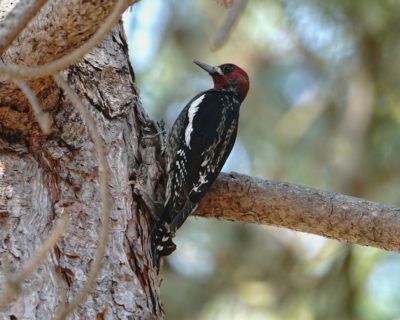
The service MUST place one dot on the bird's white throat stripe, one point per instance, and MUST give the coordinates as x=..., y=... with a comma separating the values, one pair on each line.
x=191, y=113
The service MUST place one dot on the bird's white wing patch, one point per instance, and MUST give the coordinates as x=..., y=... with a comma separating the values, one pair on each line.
x=194, y=106
x=202, y=180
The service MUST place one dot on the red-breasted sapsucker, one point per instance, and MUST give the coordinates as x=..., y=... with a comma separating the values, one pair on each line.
x=197, y=147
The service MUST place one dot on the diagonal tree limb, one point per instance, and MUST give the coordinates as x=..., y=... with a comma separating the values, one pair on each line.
x=222, y=34
x=16, y=21
x=17, y=71
x=58, y=29
x=247, y=199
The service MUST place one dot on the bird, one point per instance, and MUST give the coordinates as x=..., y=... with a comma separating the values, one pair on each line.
x=197, y=147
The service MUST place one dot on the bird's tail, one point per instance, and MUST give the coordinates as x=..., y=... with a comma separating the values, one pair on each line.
x=181, y=217
x=161, y=240
x=164, y=230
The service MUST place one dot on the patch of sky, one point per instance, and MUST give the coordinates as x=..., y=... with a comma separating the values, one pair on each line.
x=298, y=81
x=324, y=34
x=144, y=25
x=384, y=290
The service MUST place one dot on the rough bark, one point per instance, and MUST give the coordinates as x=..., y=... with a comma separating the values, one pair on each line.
x=59, y=28
x=247, y=199
x=44, y=177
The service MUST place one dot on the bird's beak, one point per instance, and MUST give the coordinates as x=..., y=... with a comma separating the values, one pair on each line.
x=210, y=69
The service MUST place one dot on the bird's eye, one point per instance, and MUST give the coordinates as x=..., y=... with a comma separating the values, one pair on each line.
x=227, y=69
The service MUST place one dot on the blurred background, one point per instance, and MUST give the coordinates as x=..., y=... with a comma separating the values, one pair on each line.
x=323, y=110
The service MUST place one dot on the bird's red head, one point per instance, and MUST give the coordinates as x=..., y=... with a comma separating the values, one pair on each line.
x=228, y=77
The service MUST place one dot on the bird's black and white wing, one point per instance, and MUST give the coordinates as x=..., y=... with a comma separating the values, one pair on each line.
x=198, y=146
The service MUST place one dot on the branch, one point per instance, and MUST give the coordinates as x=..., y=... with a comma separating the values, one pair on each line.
x=232, y=17
x=13, y=71
x=43, y=118
x=17, y=20
x=242, y=198
x=57, y=30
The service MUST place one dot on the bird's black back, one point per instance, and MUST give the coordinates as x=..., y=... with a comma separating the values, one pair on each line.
x=193, y=164
x=198, y=145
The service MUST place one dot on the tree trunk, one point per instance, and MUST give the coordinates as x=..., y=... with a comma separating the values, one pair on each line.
x=45, y=177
